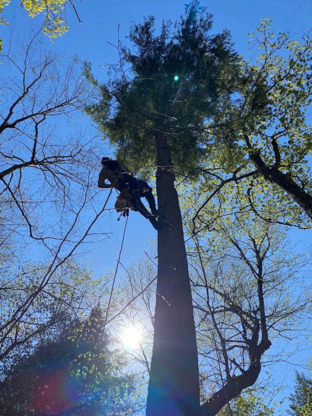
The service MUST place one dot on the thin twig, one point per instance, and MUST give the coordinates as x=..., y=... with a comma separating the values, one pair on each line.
x=75, y=10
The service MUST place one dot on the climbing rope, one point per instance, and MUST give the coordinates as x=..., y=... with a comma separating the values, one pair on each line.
x=116, y=271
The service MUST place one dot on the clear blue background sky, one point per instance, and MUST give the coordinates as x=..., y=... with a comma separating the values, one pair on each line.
x=89, y=40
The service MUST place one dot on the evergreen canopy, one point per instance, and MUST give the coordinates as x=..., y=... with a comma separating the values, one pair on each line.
x=179, y=79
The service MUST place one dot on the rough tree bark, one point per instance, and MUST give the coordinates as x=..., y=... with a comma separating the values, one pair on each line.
x=174, y=376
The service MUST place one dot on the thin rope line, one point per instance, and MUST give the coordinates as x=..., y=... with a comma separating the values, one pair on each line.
x=116, y=271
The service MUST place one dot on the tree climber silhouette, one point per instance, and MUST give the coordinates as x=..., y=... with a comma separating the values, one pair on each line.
x=131, y=190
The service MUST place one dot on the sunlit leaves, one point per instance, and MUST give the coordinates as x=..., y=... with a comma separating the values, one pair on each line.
x=54, y=23
x=272, y=109
x=285, y=65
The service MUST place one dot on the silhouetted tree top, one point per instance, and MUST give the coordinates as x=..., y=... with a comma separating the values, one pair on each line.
x=177, y=80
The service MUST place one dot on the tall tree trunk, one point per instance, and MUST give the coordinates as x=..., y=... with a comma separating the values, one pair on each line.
x=174, y=378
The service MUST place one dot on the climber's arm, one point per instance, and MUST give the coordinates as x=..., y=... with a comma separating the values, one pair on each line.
x=102, y=180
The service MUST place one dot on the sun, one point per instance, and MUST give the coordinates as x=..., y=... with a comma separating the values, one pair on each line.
x=131, y=338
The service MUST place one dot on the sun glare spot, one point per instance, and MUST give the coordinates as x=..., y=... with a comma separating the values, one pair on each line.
x=131, y=338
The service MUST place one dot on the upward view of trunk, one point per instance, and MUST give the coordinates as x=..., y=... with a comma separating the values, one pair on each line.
x=174, y=378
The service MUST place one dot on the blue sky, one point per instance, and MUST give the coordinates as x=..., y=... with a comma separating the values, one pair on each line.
x=89, y=40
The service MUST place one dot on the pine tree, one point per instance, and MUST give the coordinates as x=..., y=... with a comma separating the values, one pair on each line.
x=301, y=399
x=179, y=80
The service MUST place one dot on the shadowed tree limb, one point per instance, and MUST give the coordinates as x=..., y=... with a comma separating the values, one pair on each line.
x=283, y=180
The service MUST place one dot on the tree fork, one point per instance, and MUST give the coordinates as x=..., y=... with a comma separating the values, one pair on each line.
x=174, y=377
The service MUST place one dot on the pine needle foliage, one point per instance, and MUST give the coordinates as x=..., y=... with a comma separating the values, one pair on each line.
x=173, y=81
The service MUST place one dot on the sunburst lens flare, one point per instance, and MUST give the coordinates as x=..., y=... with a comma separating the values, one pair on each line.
x=131, y=338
